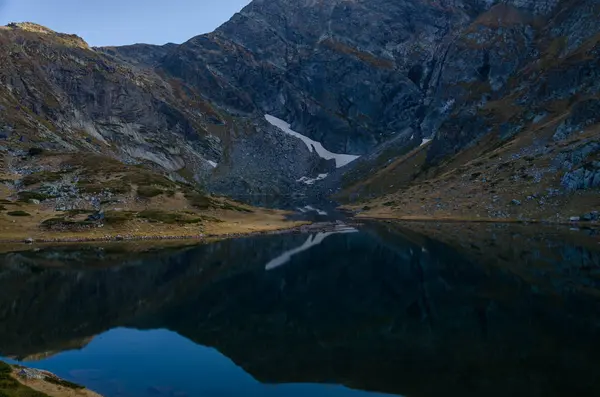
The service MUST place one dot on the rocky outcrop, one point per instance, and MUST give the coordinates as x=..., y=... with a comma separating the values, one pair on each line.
x=65, y=96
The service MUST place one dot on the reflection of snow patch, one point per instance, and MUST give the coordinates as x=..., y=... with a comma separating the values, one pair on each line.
x=310, y=181
x=312, y=240
x=425, y=141
x=340, y=159
x=311, y=208
x=212, y=164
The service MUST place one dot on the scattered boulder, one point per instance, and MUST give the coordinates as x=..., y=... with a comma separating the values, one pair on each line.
x=590, y=216
x=96, y=216
x=515, y=202
x=574, y=219
x=34, y=201
x=30, y=373
x=29, y=240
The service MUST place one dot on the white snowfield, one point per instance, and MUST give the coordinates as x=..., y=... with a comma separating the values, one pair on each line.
x=340, y=159
x=425, y=141
x=213, y=164
x=310, y=242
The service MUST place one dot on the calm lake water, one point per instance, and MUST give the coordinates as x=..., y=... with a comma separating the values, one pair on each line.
x=437, y=310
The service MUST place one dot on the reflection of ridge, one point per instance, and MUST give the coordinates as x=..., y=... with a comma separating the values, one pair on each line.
x=311, y=241
x=354, y=315
x=74, y=345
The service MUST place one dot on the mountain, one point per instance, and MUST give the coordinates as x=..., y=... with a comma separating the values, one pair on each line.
x=489, y=107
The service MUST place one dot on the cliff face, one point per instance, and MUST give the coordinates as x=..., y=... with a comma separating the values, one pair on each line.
x=353, y=73
x=59, y=93
x=376, y=78
x=372, y=78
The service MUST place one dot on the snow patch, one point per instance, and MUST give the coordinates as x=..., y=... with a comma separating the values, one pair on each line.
x=310, y=181
x=425, y=141
x=212, y=163
x=312, y=240
x=309, y=208
x=340, y=159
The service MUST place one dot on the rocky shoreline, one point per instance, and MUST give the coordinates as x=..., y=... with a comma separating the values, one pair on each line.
x=17, y=381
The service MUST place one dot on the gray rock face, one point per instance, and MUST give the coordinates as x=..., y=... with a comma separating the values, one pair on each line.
x=69, y=97
x=355, y=75
x=586, y=177
x=348, y=74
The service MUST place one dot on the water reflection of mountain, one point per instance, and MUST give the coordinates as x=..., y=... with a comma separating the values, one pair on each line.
x=375, y=310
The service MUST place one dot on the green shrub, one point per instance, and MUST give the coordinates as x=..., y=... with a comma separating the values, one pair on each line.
x=118, y=217
x=39, y=177
x=63, y=383
x=199, y=200
x=167, y=217
x=18, y=213
x=27, y=195
x=116, y=186
x=5, y=368
x=146, y=178
x=233, y=207
x=149, y=191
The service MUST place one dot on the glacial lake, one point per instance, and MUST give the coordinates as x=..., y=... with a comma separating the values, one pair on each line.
x=383, y=310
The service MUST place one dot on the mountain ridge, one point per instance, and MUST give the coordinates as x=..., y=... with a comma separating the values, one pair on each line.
x=373, y=79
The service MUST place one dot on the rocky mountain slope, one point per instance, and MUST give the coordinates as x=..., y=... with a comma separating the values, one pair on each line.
x=515, y=80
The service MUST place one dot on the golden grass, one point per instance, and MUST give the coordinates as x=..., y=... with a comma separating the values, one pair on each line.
x=479, y=184
x=146, y=225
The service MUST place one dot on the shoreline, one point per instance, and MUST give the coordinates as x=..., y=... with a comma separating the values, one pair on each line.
x=297, y=226
x=293, y=227
x=19, y=380
x=580, y=223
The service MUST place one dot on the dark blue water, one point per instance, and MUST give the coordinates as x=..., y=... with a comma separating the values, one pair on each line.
x=440, y=310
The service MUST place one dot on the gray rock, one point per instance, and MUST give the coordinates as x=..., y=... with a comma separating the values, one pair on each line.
x=30, y=373
x=574, y=219
x=29, y=240
x=97, y=216
x=515, y=202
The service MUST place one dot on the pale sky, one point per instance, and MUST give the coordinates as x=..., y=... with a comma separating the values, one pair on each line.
x=118, y=22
